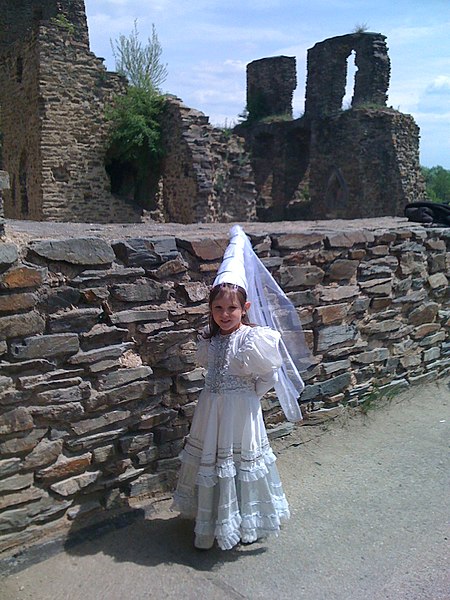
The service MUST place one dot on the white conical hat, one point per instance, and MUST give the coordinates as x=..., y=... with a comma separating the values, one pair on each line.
x=232, y=269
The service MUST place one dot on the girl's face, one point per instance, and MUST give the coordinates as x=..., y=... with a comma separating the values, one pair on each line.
x=227, y=311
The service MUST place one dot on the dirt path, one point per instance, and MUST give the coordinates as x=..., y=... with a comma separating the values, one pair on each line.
x=369, y=499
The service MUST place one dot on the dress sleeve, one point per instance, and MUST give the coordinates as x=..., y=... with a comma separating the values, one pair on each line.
x=202, y=351
x=259, y=353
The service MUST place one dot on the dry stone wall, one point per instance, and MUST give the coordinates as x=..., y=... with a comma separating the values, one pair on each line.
x=98, y=379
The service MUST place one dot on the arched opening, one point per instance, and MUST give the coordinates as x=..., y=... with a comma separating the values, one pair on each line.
x=350, y=81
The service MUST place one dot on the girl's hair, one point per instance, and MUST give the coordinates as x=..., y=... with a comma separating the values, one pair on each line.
x=225, y=288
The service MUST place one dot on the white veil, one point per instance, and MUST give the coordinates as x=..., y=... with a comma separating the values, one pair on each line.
x=272, y=308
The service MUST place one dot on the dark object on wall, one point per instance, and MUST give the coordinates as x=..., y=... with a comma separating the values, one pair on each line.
x=428, y=212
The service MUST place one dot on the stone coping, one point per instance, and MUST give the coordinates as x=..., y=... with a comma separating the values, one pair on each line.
x=23, y=231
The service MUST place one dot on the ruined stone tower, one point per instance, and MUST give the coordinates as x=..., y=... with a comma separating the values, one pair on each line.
x=53, y=93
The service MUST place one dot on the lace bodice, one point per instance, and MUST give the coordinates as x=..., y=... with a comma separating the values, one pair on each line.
x=238, y=361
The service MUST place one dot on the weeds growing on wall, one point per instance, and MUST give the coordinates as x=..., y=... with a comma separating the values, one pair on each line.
x=63, y=22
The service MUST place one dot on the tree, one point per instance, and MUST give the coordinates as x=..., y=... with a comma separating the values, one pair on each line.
x=141, y=65
x=437, y=180
x=133, y=158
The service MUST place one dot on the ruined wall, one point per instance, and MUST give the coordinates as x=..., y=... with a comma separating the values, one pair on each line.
x=327, y=73
x=375, y=154
x=53, y=95
x=206, y=173
x=98, y=380
x=270, y=86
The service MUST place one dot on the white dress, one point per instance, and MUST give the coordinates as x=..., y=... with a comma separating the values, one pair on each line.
x=228, y=480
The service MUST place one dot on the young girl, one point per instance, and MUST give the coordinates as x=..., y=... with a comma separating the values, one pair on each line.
x=228, y=481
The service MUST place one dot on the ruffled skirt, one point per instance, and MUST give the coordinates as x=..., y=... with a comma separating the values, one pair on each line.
x=228, y=481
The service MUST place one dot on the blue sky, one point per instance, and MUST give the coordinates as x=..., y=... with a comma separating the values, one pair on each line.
x=207, y=45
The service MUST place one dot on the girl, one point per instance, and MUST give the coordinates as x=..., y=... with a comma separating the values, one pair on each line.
x=228, y=481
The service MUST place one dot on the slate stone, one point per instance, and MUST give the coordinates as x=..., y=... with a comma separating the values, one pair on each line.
x=59, y=396
x=334, y=335
x=304, y=298
x=16, y=482
x=205, y=249
x=130, y=444
x=89, y=425
x=61, y=298
x=377, y=286
x=8, y=254
x=102, y=335
x=27, y=366
x=23, y=276
x=23, y=497
x=336, y=384
x=122, y=377
x=335, y=294
x=46, y=346
x=147, y=456
x=438, y=280
x=78, y=320
x=44, y=453
x=65, y=467
x=146, y=253
x=374, y=327
x=372, y=356
x=297, y=241
x=61, y=412
x=103, y=454
x=87, y=442
x=342, y=270
x=17, y=302
x=96, y=278
x=156, y=417
x=145, y=484
x=81, y=251
x=133, y=391
x=347, y=239
x=9, y=466
x=195, y=291
x=16, y=420
x=21, y=325
x=296, y=276
x=71, y=486
x=171, y=268
x=99, y=354
x=22, y=444
x=50, y=381
x=138, y=316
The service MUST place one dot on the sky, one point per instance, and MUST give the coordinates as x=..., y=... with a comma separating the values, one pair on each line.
x=207, y=45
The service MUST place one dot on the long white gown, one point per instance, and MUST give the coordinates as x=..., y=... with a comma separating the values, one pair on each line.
x=228, y=480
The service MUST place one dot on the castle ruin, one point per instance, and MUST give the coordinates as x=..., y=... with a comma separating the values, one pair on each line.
x=330, y=163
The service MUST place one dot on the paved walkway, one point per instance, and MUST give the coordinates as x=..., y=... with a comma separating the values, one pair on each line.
x=369, y=497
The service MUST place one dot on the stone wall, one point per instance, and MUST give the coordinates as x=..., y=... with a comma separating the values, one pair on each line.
x=270, y=86
x=364, y=163
x=53, y=95
x=98, y=380
x=206, y=174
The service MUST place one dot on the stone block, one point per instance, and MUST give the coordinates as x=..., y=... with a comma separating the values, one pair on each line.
x=69, y=487
x=342, y=270
x=298, y=241
x=44, y=453
x=145, y=484
x=81, y=251
x=205, y=249
x=171, y=268
x=16, y=420
x=347, y=239
x=103, y=454
x=71, y=321
x=333, y=313
x=432, y=340
x=65, y=467
x=337, y=293
x=130, y=444
x=25, y=496
x=376, y=327
x=334, y=335
x=100, y=354
x=425, y=329
x=102, y=335
x=195, y=291
x=90, y=441
x=105, y=420
x=10, y=466
x=23, y=277
x=381, y=287
x=8, y=254
x=372, y=356
x=147, y=456
x=23, y=444
x=437, y=281
x=431, y=354
x=144, y=291
x=21, y=325
x=122, y=377
x=297, y=276
x=17, y=302
x=138, y=316
x=46, y=346
x=156, y=417
x=61, y=412
x=190, y=382
x=16, y=482
x=146, y=253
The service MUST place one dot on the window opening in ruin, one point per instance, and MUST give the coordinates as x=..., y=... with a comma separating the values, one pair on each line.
x=24, y=208
x=350, y=81
x=19, y=69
